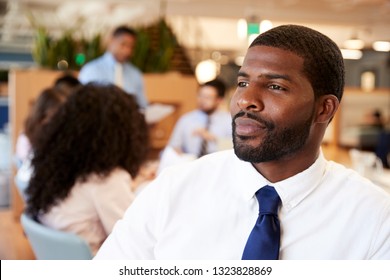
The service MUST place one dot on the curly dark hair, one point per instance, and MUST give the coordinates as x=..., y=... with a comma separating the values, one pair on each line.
x=48, y=101
x=98, y=129
x=323, y=61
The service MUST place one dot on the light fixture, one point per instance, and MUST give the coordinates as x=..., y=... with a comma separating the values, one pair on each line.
x=265, y=25
x=251, y=38
x=381, y=46
x=206, y=70
x=241, y=29
x=251, y=28
x=354, y=44
x=351, y=54
x=253, y=25
x=367, y=81
x=239, y=60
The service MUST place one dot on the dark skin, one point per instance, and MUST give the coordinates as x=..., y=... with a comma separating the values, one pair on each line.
x=272, y=85
x=122, y=46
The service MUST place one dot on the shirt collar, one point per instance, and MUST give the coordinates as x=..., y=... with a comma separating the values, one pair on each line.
x=291, y=190
x=294, y=189
x=109, y=58
x=253, y=179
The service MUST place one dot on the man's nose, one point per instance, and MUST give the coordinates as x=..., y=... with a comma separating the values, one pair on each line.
x=250, y=99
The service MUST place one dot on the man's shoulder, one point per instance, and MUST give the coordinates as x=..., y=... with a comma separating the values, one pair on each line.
x=189, y=116
x=93, y=62
x=350, y=180
x=201, y=168
x=216, y=160
x=207, y=160
x=223, y=116
x=133, y=68
x=229, y=153
x=194, y=114
x=92, y=67
x=223, y=112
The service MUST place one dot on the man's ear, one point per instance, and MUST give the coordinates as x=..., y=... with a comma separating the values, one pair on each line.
x=327, y=106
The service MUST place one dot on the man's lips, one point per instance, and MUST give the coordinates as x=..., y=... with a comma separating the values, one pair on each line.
x=247, y=127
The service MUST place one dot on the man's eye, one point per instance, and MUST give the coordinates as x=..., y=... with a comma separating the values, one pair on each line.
x=242, y=84
x=276, y=87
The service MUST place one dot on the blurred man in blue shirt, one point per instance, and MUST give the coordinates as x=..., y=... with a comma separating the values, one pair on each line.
x=202, y=131
x=114, y=66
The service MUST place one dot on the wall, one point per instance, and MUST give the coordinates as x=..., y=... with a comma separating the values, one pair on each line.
x=355, y=108
x=379, y=62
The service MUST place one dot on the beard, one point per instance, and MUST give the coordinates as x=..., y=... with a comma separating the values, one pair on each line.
x=276, y=144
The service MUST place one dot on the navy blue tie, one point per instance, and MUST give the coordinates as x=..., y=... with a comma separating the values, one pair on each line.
x=264, y=241
x=204, y=144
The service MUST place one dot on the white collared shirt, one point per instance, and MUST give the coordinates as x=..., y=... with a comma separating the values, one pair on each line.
x=206, y=209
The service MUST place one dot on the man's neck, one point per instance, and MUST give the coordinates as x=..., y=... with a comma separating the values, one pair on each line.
x=286, y=167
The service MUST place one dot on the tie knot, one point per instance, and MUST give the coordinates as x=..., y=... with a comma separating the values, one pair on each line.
x=268, y=200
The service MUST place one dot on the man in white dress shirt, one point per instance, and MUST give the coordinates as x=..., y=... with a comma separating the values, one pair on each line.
x=288, y=90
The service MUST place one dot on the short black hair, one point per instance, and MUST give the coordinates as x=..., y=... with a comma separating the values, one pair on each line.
x=218, y=85
x=67, y=83
x=121, y=30
x=323, y=62
x=67, y=79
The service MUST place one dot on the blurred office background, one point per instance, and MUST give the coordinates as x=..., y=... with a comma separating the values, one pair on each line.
x=190, y=41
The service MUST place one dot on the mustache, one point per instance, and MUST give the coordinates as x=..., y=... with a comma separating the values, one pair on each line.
x=268, y=124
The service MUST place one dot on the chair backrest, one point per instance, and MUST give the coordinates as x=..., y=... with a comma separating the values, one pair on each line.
x=51, y=244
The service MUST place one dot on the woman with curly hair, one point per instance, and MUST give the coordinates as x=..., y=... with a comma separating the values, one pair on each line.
x=85, y=161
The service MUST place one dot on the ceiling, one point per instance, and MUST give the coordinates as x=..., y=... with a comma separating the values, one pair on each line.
x=205, y=24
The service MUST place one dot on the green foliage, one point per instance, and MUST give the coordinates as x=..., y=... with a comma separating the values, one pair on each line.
x=48, y=52
x=41, y=47
x=92, y=48
x=155, y=48
x=153, y=52
x=63, y=49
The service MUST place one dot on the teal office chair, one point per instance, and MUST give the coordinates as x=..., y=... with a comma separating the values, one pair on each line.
x=51, y=244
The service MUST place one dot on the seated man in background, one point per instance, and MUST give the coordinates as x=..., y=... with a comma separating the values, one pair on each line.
x=85, y=162
x=199, y=132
